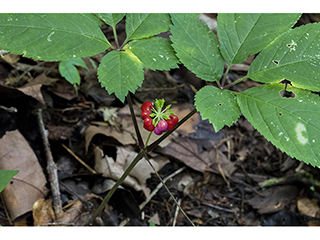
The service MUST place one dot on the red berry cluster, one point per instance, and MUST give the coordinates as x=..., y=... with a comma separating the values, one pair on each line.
x=162, y=126
x=145, y=112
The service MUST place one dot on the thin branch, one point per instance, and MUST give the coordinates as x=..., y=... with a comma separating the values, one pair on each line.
x=164, y=136
x=154, y=192
x=114, y=188
x=225, y=76
x=51, y=169
x=236, y=82
x=79, y=159
x=135, y=124
x=115, y=36
x=176, y=212
x=165, y=186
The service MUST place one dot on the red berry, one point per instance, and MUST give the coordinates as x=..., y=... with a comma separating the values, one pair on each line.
x=174, y=119
x=148, y=124
x=172, y=122
x=147, y=106
x=145, y=114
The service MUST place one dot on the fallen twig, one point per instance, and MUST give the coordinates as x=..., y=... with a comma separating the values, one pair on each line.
x=79, y=159
x=176, y=213
x=51, y=169
x=301, y=177
x=154, y=192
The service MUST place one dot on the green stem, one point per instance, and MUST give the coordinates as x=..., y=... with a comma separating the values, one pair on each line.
x=225, y=76
x=114, y=188
x=124, y=43
x=134, y=120
x=115, y=36
x=146, y=144
x=236, y=82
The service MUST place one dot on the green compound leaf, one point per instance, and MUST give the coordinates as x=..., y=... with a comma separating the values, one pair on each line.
x=155, y=53
x=5, y=177
x=243, y=34
x=291, y=124
x=111, y=18
x=51, y=37
x=295, y=55
x=120, y=72
x=220, y=107
x=143, y=25
x=69, y=71
x=196, y=47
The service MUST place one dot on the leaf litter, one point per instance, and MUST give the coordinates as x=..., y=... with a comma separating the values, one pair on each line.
x=219, y=186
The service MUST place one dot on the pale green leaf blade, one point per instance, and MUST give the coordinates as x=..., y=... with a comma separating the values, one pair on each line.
x=291, y=124
x=68, y=70
x=196, y=47
x=143, y=25
x=111, y=18
x=294, y=56
x=51, y=36
x=120, y=72
x=243, y=34
x=5, y=177
x=220, y=107
x=155, y=53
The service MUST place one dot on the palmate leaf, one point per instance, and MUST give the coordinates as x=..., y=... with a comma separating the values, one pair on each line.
x=295, y=56
x=196, y=46
x=243, y=34
x=120, y=72
x=111, y=18
x=5, y=177
x=220, y=107
x=68, y=70
x=143, y=25
x=52, y=37
x=155, y=53
x=291, y=124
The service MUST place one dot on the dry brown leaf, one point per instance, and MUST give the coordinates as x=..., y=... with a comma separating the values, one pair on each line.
x=33, y=88
x=114, y=169
x=181, y=111
x=43, y=213
x=72, y=213
x=155, y=219
x=29, y=184
x=33, y=91
x=186, y=150
x=11, y=58
x=309, y=207
x=109, y=131
x=274, y=199
x=64, y=90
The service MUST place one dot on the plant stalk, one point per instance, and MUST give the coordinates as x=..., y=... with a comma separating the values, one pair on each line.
x=115, y=36
x=135, y=124
x=114, y=188
x=164, y=136
x=236, y=82
x=136, y=160
x=225, y=76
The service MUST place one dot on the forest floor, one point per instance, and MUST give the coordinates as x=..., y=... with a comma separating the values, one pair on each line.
x=233, y=177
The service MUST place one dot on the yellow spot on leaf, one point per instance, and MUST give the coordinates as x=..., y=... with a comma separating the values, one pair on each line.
x=300, y=128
